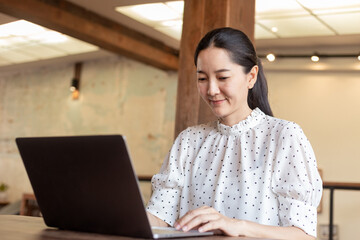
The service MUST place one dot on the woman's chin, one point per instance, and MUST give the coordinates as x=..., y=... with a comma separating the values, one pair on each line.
x=218, y=114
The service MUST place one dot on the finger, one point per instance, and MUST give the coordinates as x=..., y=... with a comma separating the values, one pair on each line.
x=192, y=214
x=199, y=220
x=220, y=225
x=211, y=225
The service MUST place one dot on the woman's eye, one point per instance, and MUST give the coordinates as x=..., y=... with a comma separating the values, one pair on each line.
x=223, y=78
x=201, y=79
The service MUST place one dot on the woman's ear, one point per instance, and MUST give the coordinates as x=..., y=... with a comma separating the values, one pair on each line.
x=252, y=76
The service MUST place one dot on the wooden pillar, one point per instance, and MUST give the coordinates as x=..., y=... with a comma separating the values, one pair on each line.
x=201, y=16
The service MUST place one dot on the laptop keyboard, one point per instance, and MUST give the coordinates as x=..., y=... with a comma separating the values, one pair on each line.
x=165, y=230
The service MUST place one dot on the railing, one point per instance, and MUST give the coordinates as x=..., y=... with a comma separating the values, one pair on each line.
x=332, y=186
x=144, y=178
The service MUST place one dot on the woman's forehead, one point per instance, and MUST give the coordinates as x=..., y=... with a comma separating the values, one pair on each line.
x=216, y=59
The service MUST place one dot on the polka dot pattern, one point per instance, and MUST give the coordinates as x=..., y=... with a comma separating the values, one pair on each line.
x=262, y=169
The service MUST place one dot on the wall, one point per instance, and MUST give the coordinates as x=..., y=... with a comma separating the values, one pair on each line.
x=326, y=104
x=118, y=96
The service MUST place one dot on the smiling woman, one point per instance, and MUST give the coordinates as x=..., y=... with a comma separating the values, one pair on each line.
x=224, y=85
x=247, y=174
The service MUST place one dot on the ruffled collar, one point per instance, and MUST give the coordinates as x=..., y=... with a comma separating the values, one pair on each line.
x=255, y=117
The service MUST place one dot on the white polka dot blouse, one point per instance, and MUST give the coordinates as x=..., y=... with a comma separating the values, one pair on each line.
x=262, y=169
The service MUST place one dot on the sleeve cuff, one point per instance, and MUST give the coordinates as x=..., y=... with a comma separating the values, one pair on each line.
x=295, y=213
x=164, y=204
x=152, y=209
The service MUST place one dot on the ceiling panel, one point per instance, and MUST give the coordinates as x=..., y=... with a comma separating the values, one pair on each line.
x=336, y=10
x=297, y=27
x=22, y=41
x=171, y=31
x=42, y=52
x=278, y=9
x=262, y=33
x=330, y=4
x=73, y=46
x=344, y=23
x=16, y=41
x=14, y=56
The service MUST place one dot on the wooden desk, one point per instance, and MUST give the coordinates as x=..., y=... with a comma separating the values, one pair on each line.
x=33, y=228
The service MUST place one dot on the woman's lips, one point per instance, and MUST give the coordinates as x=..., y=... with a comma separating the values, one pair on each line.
x=216, y=102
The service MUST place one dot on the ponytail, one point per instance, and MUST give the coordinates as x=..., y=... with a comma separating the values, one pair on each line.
x=258, y=95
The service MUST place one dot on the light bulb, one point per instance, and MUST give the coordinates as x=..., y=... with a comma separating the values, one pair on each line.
x=315, y=58
x=274, y=29
x=270, y=57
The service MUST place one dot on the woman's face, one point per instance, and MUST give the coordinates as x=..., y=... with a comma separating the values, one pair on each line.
x=224, y=85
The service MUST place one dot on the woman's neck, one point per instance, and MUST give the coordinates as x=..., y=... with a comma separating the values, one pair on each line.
x=235, y=118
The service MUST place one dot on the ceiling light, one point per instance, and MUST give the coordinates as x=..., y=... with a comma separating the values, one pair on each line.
x=177, y=6
x=172, y=23
x=270, y=57
x=19, y=28
x=74, y=84
x=315, y=58
x=165, y=17
x=153, y=11
x=15, y=41
x=274, y=29
x=49, y=37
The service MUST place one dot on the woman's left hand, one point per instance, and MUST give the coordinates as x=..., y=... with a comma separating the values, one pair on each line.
x=208, y=219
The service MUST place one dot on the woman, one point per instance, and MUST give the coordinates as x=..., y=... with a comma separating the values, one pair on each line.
x=247, y=174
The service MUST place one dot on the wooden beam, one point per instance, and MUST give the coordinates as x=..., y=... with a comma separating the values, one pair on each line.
x=188, y=100
x=75, y=21
x=201, y=16
x=242, y=16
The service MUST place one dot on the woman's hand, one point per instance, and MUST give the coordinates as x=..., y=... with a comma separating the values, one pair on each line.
x=208, y=219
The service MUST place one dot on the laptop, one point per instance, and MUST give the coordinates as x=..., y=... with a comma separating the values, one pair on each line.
x=88, y=184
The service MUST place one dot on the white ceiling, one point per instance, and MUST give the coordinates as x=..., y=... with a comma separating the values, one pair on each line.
x=22, y=42
x=308, y=18
x=294, y=19
x=302, y=25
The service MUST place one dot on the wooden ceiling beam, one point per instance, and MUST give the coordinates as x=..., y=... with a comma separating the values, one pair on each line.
x=77, y=22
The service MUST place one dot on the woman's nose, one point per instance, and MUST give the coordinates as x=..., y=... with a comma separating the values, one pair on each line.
x=213, y=88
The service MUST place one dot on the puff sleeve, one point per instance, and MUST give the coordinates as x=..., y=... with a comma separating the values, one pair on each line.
x=167, y=185
x=296, y=181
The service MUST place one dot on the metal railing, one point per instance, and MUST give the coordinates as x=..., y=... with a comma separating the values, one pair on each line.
x=332, y=186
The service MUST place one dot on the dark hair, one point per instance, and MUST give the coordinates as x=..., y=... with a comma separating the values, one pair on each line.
x=242, y=52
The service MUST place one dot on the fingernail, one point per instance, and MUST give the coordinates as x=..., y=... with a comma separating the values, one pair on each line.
x=200, y=229
x=177, y=226
x=185, y=228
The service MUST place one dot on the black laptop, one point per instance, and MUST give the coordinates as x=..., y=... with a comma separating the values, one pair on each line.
x=88, y=184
